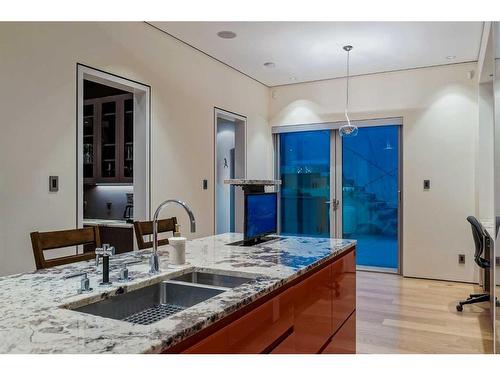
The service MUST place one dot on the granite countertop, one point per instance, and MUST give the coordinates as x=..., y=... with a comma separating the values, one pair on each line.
x=108, y=223
x=33, y=317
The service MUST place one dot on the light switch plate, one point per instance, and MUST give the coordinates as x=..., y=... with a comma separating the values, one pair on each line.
x=53, y=184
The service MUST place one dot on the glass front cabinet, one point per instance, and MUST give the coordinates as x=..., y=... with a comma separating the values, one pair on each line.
x=108, y=139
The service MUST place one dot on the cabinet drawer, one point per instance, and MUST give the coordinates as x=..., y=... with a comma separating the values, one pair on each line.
x=344, y=341
x=344, y=289
x=259, y=329
x=213, y=344
x=313, y=312
x=287, y=346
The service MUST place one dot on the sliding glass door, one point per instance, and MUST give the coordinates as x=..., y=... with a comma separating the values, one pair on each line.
x=370, y=195
x=305, y=176
x=343, y=188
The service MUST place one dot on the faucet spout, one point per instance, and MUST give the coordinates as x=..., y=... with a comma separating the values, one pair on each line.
x=154, y=262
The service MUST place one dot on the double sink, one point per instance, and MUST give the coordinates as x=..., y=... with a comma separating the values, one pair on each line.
x=158, y=301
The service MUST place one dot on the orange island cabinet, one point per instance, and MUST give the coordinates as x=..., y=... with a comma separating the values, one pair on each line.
x=314, y=313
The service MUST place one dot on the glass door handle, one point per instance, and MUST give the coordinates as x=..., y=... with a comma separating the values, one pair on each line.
x=334, y=202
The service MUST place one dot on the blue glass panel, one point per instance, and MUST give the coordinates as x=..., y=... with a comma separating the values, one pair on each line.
x=305, y=176
x=370, y=194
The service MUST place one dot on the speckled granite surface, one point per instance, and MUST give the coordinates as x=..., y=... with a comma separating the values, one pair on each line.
x=33, y=319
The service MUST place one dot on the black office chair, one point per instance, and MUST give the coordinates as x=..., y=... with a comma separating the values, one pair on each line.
x=482, y=239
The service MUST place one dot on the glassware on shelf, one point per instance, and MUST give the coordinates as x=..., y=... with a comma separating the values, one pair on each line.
x=129, y=152
x=88, y=153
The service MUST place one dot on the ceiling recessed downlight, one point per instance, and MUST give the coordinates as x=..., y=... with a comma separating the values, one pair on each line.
x=269, y=64
x=451, y=57
x=225, y=34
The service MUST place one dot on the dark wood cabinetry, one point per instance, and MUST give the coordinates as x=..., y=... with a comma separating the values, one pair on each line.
x=315, y=314
x=121, y=238
x=108, y=139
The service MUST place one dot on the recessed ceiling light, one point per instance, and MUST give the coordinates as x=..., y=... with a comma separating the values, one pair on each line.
x=269, y=64
x=225, y=34
x=451, y=57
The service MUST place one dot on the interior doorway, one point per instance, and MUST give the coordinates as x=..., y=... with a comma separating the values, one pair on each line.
x=230, y=163
x=113, y=155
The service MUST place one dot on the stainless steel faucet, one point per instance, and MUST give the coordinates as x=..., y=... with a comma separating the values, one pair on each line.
x=84, y=282
x=154, y=262
x=104, y=252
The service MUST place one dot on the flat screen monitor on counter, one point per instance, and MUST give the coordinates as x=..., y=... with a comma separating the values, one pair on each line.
x=261, y=215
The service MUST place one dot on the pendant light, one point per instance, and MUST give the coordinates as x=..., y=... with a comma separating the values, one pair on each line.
x=347, y=130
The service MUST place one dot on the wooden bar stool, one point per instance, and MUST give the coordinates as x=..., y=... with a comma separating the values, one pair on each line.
x=145, y=228
x=42, y=241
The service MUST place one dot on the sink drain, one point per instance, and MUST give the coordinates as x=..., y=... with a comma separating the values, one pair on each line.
x=153, y=314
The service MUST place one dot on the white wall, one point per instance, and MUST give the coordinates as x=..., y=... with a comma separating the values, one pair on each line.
x=38, y=106
x=440, y=114
x=485, y=154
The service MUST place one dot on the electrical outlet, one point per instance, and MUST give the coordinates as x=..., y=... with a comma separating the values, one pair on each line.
x=461, y=258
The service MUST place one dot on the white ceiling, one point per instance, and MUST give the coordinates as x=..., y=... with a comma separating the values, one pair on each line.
x=308, y=51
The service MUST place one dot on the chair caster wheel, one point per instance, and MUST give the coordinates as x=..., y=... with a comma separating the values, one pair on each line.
x=460, y=307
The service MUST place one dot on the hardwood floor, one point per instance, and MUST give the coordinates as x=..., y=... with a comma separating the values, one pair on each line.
x=404, y=315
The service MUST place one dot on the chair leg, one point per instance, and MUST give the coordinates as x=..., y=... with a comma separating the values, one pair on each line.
x=476, y=299
x=477, y=295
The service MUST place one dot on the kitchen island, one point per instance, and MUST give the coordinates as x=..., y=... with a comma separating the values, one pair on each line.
x=301, y=298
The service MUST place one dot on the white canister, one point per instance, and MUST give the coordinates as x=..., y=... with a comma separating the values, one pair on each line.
x=177, y=250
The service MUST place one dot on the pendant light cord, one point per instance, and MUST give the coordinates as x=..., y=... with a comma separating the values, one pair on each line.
x=347, y=86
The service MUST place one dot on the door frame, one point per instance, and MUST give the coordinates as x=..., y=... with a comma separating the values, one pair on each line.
x=142, y=134
x=336, y=173
x=231, y=116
